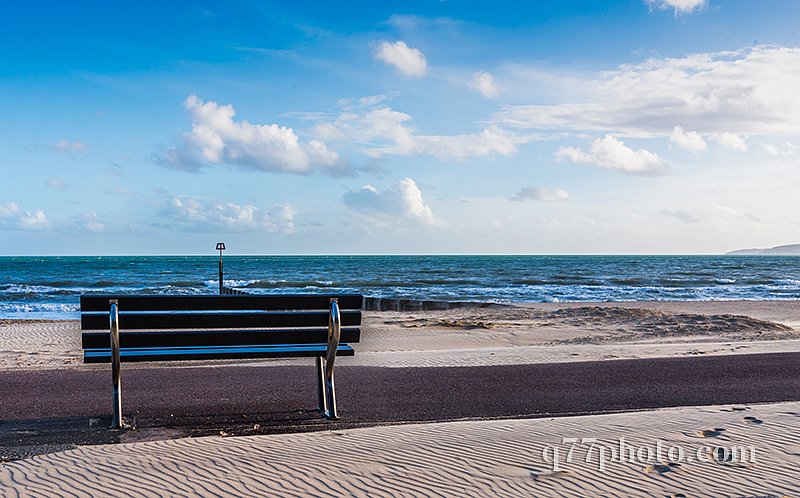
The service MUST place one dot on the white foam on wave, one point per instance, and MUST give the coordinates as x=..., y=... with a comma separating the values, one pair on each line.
x=49, y=311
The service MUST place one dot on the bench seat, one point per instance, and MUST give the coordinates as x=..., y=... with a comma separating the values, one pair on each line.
x=103, y=355
x=212, y=337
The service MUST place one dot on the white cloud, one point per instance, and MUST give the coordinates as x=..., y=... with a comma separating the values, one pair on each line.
x=747, y=92
x=731, y=141
x=484, y=83
x=12, y=217
x=787, y=149
x=613, y=154
x=216, y=138
x=383, y=131
x=192, y=214
x=679, y=6
x=402, y=202
x=409, y=61
x=66, y=146
x=691, y=141
x=682, y=216
x=489, y=141
x=540, y=194
x=33, y=221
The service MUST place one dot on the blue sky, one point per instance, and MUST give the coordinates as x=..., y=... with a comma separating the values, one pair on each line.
x=570, y=127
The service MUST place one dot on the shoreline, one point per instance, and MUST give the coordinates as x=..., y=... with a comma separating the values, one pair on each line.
x=378, y=304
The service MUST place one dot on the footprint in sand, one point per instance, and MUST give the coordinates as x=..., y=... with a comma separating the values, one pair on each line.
x=716, y=432
x=661, y=469
x=753, y=420
x=726, y=458
x=735, y=409
x=721, y=455
x=550, y=474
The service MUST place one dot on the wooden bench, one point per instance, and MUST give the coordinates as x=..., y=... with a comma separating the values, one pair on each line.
x=168, y=328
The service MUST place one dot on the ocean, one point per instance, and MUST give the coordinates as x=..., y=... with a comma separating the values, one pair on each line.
x=50, y=287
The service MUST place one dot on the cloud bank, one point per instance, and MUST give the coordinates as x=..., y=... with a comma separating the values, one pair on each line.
x=746, y=92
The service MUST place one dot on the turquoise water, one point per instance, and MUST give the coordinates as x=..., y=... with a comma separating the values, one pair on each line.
x=49, y=287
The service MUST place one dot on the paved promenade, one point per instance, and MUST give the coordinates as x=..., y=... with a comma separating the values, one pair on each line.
x=63, y=406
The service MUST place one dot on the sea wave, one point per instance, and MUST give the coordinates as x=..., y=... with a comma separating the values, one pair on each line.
x=20, y=290
x=187, y=283
x=272, y=284
x=44, y=311
x=35, y=307
x=53, y=285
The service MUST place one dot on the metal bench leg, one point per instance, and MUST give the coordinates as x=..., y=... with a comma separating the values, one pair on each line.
x=331, y=391
x=116, y=364
x=321, y=395
x=334, y=333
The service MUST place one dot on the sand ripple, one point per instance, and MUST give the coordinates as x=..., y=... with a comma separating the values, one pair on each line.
x=39, y=344
x=474, y=458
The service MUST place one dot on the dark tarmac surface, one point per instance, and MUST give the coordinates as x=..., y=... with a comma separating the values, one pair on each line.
x=50, y=410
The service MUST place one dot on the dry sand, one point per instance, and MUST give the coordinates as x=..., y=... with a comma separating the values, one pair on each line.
x=464, y=459
x=469, y=458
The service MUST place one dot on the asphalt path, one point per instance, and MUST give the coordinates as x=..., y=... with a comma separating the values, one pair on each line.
x=39, y=405
x=374, y=394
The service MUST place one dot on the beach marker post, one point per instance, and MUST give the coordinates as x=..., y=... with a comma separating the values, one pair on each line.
x=220, y=248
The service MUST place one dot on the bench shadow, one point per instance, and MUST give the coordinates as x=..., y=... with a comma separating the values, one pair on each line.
x=26, y=438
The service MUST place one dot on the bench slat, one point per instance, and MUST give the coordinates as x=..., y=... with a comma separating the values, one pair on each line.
x=272, y=319
x=214, y=353
x=99, y=302
x=187, y=338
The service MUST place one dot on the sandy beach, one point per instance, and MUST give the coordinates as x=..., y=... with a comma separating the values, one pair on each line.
x=473, y=457
x=494, y=335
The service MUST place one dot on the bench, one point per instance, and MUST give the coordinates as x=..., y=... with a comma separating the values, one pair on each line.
x=140, y=328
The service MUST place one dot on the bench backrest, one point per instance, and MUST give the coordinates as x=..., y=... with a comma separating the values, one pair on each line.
x=218, y=320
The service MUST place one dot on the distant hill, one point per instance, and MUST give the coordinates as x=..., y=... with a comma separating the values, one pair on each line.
x=787, y=250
